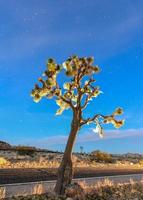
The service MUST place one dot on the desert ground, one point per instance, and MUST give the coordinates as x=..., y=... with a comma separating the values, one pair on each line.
x=26, y=164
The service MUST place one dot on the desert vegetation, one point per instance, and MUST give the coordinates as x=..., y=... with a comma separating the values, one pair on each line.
x=31, y=157
x=71, y=78
x=28, y=157
x=99, y=156
x=75, y=95
x=25, y=150
x=105, y=190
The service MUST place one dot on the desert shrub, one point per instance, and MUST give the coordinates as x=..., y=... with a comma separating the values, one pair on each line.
x=132, y=191
x=99, y=156
x=25, y=150
x=75, y=191
x=51, y=157
x=105, y=190
x=3, y=161
x=40, y=197
x=141, y=162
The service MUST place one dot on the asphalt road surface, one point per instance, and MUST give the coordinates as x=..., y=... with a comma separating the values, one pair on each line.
x=8, y=176
x=29, y=188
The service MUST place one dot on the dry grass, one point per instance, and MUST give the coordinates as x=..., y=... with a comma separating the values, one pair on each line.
x=105, y=190
x=4, y=162
x=54, y=163
x=52, y=160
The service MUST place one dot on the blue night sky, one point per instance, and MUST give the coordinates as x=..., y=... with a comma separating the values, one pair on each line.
x=32, y=31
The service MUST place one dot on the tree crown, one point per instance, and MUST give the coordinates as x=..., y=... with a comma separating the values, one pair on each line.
x=77, y=92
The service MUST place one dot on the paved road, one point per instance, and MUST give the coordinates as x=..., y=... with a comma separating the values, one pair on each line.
x=115, y=178
x=29, y=188
x=8, y=176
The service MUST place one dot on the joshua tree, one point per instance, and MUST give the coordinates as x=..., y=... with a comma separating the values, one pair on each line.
x=75, y=95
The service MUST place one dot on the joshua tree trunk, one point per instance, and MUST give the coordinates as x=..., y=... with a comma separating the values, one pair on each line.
x=65, y=171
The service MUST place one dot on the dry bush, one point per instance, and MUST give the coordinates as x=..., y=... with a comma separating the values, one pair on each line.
x=110, y=191
x=3, y=162
x=141, y=162
x=105, y=190
x=99, y=156
x=75, y=191
x=25, y=150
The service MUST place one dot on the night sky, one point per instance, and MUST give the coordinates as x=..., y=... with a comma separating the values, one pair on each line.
x=32, y=31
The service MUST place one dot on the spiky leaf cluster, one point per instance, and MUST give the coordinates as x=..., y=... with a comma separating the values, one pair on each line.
x=48, y=85
x=74, y=67
x=77, y=92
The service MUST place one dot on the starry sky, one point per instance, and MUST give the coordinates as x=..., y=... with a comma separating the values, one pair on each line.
x=32, y=31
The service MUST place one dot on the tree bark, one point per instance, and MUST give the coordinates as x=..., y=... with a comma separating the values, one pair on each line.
x=65, y=171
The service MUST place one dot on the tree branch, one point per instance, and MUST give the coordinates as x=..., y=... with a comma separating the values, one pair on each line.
x=90, y=120
x=68, y=102
x=85, y=103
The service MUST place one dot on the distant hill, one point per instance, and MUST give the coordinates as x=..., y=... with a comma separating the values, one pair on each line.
x=5, y=145
x=127, y=155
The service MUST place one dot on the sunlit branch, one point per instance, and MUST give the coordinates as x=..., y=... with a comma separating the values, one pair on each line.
x=68, y=102
x=42, y=81
x=90, y=120
x=90, y=81
x=64, y=99
x=85, y=103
